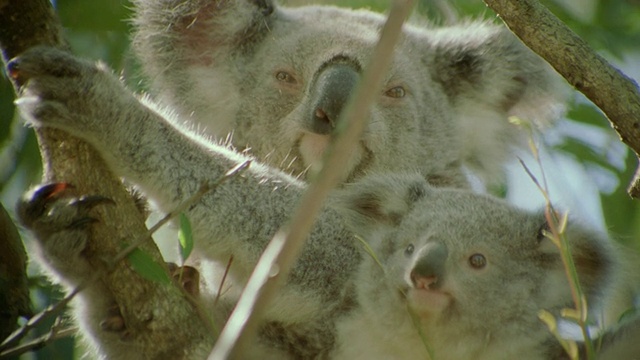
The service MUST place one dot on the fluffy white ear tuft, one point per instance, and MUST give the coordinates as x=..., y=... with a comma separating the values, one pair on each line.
x=489, y=76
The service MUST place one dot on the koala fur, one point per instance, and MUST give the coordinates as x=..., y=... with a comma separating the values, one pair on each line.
x=469, y=271
x=256, y=70
x=342, y=303
x=621, y=342
x=264, y=69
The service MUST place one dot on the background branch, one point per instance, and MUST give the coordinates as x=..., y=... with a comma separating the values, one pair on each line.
x=14, y=289
x=607, y=87
x=26, y=23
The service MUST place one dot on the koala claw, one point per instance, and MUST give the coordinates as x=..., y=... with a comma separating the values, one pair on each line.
x=86, y=203
x=13, y=69
x=35, y=202
x=47, y=209
x=58, y=90
x=43, y=60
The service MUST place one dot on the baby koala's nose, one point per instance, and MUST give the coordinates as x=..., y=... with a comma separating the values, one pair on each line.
x=428, y=270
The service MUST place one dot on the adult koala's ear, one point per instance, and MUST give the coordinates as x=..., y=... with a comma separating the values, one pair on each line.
x=197, y=30
x=173, y=36
x=187, y=49
x=488, y=76
x=379, y=200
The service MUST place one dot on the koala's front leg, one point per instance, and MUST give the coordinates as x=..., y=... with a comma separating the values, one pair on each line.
x=87, y=101
x=139, y=144
x=61, y=224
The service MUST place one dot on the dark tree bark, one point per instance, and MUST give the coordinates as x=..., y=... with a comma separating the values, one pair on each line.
x=26, y=23
x=14, y=289
x=613, y=92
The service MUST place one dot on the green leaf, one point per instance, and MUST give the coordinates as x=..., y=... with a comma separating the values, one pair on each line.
x=147, y=267
x=186, y=237
x=628, y=314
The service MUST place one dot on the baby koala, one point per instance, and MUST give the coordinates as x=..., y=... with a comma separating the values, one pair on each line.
x=456, y=275
x=450, y=275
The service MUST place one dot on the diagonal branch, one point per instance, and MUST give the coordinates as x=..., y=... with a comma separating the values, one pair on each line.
x=613, y=92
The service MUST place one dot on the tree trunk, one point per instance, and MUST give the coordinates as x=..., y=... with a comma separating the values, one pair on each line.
x=26, y=23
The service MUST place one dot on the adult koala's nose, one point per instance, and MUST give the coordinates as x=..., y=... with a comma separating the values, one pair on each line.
x=329, y=95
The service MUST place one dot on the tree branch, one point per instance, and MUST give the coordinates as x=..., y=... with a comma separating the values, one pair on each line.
x=14, y=289
x=26, y=23
x=613, y=92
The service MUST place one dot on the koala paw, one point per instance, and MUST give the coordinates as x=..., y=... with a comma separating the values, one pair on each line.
x=59, y=90
x=60, y=223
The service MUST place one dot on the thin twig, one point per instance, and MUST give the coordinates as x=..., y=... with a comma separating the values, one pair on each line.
x=224, y=278
x=55, y=333
x=51, y=310
x=283, y=250
x=557, y=227
x=206, y=187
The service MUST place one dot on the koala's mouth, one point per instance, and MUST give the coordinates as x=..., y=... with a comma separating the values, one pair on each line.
x=312, y=147
x=426, y=299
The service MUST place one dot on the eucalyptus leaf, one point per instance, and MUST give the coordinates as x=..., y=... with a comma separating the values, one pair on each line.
x=185, y=236
x=147, y=267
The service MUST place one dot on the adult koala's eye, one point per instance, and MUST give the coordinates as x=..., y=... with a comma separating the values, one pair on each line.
x=284, y=76
x=395, y=92
x=409, y=250
x=477, y=261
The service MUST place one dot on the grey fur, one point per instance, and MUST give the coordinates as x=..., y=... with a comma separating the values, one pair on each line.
x=458, y=82
x=216, y=64
x=423, y=266
x=169, y=166
x=621, y=342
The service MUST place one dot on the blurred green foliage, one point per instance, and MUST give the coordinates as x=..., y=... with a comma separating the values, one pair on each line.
x=99, y=29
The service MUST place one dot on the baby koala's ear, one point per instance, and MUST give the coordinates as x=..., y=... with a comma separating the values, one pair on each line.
x=380, y=200
x=595, y=256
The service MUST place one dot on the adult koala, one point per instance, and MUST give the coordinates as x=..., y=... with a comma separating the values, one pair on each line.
x=277, y=78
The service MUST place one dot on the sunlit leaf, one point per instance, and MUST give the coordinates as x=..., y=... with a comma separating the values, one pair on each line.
x=185, y=236
x=628, y=314
x=147, y=267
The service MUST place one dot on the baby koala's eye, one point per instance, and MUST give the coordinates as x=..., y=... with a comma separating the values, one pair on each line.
x=284, y=76
x=409, y=250
x=396, y=92
x=477, y=261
